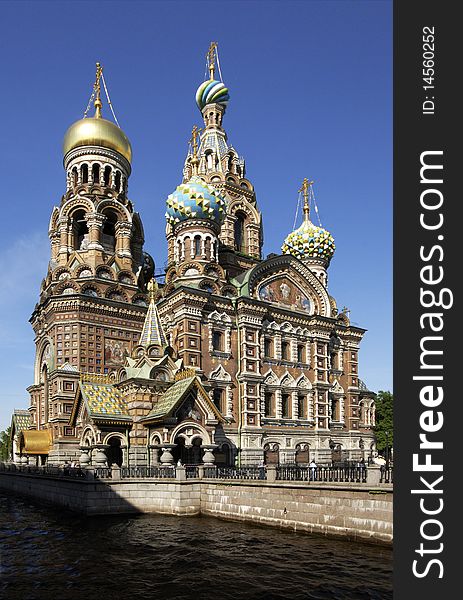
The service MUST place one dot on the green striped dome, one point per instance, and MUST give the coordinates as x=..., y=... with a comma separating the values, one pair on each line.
x=212, y=92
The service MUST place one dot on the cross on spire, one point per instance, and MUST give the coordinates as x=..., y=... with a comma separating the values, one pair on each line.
x=97, y=90
x=211, y=58
x=194, y=144
x=306, y=190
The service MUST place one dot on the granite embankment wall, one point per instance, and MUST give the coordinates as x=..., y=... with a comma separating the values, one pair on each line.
x=357, y=511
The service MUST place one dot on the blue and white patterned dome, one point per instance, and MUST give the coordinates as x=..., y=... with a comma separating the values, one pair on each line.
x=195, y=199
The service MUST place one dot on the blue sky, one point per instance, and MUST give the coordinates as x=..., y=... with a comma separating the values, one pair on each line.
x=311, y=96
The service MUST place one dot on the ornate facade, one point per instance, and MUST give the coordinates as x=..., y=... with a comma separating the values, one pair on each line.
x=232, y=358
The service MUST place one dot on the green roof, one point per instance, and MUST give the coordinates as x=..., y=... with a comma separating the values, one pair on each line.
x=21, y=420
x=171, y=398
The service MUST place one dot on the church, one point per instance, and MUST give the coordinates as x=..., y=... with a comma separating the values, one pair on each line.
x=226, y=358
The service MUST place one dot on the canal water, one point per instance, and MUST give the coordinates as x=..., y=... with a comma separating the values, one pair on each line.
x=46, y=552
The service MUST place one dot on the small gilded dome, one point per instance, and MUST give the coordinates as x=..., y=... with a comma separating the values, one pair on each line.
x=309, y=241
x=195, y=199
x=212, y=92
x=96, y=131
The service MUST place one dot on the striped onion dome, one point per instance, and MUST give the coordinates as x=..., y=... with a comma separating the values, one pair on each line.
x=212, y=92
x=195, y=199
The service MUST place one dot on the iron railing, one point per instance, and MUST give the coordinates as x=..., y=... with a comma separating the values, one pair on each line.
x=340, y=474
x=346, y=473
x=250, y=472
x=156, y=472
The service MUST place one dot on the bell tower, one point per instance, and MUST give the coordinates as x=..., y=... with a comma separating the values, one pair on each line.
x=93, y=299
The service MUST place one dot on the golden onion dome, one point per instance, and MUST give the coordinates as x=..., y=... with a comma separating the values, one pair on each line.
x=96, y=131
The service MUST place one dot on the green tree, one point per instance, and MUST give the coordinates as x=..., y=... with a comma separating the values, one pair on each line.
x=384, y=421
x=5, y=444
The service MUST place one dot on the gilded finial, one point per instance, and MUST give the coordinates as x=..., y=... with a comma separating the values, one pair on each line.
x=194, y=144
x=211, y=57
x=97, y=89
x=152, y=288
x=305, y=189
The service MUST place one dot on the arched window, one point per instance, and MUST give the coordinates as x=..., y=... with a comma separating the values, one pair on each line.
x=109, y=232
x=285, y=406
x=114, y=452
x=217, y=340
x=302, y=407
x=239, y=232
x=107, y=175
x=267, y=347
x=197, y=246
x=75, y=178
x=84, y=172
x=285, y=350
x=117, y=181
x=269, y=401
x=96, y=173
x=300, y=353
x=230, y=163
x=80, y=230
x=217, y=398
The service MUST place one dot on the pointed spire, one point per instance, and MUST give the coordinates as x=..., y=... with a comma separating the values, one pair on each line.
x=306, y=190
x=153, y=332
x=97, y=90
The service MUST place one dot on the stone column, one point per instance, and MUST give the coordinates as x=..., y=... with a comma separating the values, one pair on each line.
x=63, y=239
x=123, y=237
x=277, y=346
x=125, y=455
x=55, y=244
x=278, y=407
x=229, y=401
x=95, y=223
x=295, y=408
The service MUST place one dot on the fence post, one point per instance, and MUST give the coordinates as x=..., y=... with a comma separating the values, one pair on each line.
x=89, y=472
x=180, y=473
x=271, y=473
x=373, y=474
x=200, y=471
x=115, y=472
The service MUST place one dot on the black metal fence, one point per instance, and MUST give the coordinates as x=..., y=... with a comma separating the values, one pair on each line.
x=342, y=474
x=235, y=472
x=346, y=473
x=74, y=472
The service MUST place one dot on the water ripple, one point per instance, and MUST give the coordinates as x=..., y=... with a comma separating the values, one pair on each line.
x=47, y=551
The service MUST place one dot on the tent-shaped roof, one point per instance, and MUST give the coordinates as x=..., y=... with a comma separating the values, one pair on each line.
x=173, y=397
x=102, y=400
x=20, y=420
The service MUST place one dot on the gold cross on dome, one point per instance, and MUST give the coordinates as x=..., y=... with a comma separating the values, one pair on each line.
x=211, y=57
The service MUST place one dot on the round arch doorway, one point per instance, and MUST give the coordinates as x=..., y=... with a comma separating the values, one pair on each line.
x=188, y=454
x=114, y=452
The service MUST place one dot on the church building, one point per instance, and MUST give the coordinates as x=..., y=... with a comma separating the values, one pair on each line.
x=229, y=358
